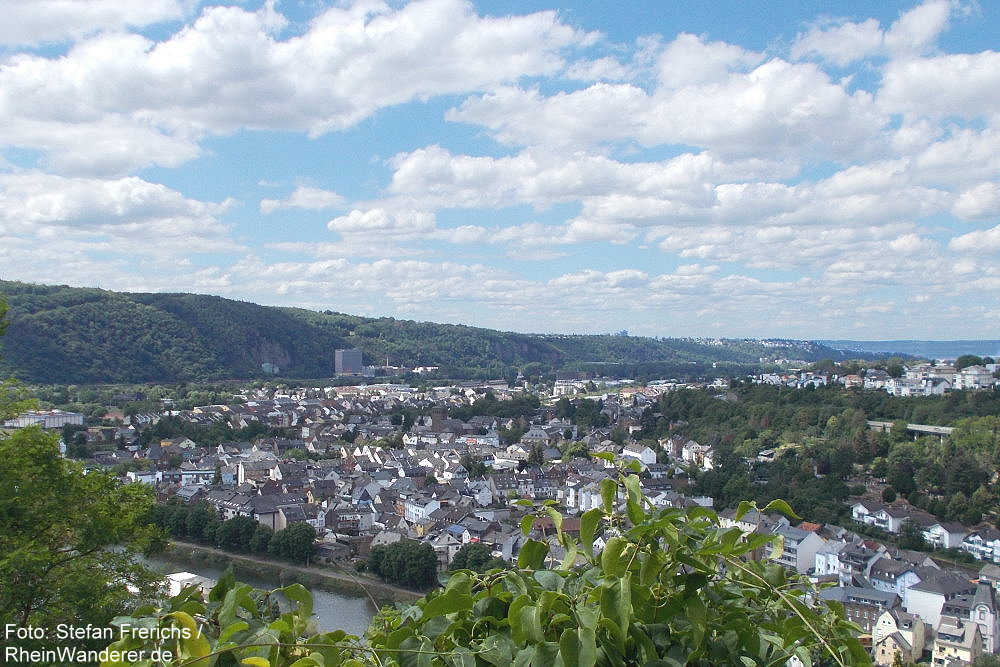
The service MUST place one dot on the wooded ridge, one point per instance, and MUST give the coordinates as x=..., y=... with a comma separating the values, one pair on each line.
x=71, y=335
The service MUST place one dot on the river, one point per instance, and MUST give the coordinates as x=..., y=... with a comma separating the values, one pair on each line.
x=331, y=610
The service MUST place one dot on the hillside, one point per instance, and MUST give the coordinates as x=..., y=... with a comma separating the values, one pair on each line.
x=70, y=335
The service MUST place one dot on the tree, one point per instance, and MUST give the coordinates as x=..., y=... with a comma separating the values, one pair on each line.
x=56, y=527
x=407, y=562
x=472, y=556
x=671, y=586
x=889, y=494
x=911, y=535
x=294, y=543
x=967, y=360
x=261, y=539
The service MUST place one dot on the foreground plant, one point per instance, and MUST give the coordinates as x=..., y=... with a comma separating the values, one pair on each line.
x=670, y=587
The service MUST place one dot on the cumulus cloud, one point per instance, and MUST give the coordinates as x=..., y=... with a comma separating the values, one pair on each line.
x=304, y=197
x=980, y=201
x=381, y=221
x=713, y=96
x=843, y=42
x=48, y=21
x=840, y=43
x=228, y=70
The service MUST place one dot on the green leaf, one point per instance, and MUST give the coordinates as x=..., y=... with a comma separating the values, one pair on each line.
x=222, y=586
x=649, y=569
x=530, y=617
x=193, y=644
x=449, y=602
x=744, y=507
x=301, y=595
x=527, y=521
x=569, y=560
x=532, y=555
x=256, y=662
x=497, y=650
x=416, y=652
x=550, y=580
x=611, y=556
x=633, y=488
x=460, y=657
x=311, y=660
x=780, y=506
x=556, y=518
x=609, y=491
x=777, y=547
x=588, y=528
x=232, y=629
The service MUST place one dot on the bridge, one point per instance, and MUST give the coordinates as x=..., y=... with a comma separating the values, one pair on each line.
x=916, y=429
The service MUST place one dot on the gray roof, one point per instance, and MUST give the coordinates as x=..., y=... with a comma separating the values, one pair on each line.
x=948, y=585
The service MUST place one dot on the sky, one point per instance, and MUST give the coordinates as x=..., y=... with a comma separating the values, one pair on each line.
x=797, y=169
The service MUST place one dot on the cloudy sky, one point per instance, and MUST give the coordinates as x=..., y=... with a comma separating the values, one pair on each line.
x=724, y=168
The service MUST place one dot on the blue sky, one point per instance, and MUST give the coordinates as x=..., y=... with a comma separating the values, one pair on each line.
x=779, y=169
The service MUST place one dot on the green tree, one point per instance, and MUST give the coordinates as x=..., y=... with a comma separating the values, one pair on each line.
x=472, y=556
x=911, y=536
x=294, y=543
x=261, y=539
x=56, y=527
x=407, y=562
x=967, y=360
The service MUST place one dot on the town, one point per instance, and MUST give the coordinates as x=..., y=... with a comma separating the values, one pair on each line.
x=372, y=465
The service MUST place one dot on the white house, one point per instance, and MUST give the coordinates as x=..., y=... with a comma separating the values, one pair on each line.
x=896, y=631
x=947, y=535
x=799, y=548
x=983, y=543
x=926, y=598
x=643, y=454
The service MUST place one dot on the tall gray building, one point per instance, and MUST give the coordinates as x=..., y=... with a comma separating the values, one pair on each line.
x=347, y=362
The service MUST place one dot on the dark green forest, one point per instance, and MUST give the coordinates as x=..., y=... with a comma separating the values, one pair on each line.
x=70, y=335
x=822, y=449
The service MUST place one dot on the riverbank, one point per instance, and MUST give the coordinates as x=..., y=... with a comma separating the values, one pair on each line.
x=311, y=576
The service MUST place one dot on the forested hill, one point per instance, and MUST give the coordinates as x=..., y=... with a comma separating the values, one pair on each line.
x=68, y=335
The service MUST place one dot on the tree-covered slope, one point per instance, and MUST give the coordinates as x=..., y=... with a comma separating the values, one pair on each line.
x=69, y=335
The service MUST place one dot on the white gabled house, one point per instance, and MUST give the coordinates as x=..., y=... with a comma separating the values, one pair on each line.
x=640, y=453
x=983, y=543
x=947, y=535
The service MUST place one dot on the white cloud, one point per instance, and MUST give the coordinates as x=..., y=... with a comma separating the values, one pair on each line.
x=304, y=197
x=916, y=30
x=380, y=221
x=712, y=96
x=228, y=71
x=840, y=43
x=980, y=201
x=978, y=242
x=960, y=85
x=47, y=21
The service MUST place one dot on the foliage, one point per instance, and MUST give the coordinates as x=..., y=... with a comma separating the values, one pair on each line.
x=57, y=529
x=407, y=563
x=69, y=335
x=244, y=534
x=237, y=626
x=967, y=360
x=477, y=557
x=294, y=543
x=670, y=587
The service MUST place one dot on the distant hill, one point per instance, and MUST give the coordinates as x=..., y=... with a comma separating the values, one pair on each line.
x=71, y=335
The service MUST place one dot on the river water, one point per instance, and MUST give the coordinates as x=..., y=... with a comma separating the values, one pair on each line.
x=332, y=611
